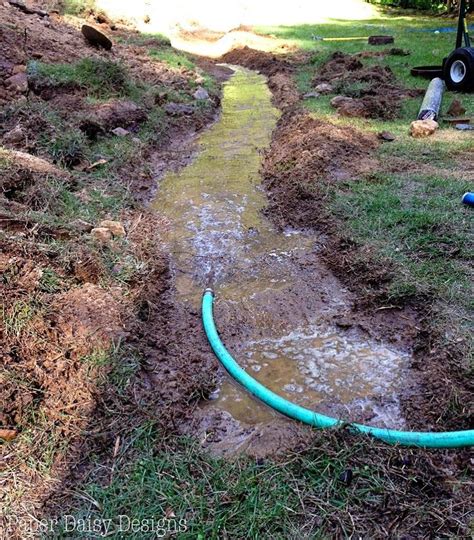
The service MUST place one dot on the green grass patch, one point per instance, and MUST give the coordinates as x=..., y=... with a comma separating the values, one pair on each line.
x=173, y=58
x=144, y=39
x=17, y=317
x=67, y=148
x=77, y=7
x=186, y=493
x=101, y=78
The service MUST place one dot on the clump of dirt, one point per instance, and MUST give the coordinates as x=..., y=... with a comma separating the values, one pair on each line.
x=46, y=333
x=112, y=114
x=284, y=90
x=371, y=90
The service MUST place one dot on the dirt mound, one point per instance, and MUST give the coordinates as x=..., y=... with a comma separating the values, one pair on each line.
x=304, y=154
x=47, y=335
x=372, y=90
x=264, y=62
x=284, y=90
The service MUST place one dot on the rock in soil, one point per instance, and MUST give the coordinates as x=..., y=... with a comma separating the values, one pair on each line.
x=324, y=88
x=101, y=235
x=18, y=82
x=178, y=109
x=115, y=227
x=120, y=132
x=110, y=115
x=8, y=434
x=33, y=163
x=309, y=95
x=456, y=108
x=16, y=135
x=423, y=128
x=386, y=136
x=96, y=37
x=201, y=94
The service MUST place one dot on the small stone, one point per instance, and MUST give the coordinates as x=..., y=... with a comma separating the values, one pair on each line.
x=136, y=140
x=324, y=88
x=456, y=108
x=115, y=227
x=339, y=100
x=464, y=127
x=178, y=109
x=101, y=234
x=386, y=136
x=81, y=226
x=120, y=132
x=8, y=434
x=19, y=82
x=201, y=93
x=15, y=135
x=423, y=128
x=311, y=95
x=19, y=68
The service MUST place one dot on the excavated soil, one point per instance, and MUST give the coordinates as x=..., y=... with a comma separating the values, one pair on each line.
x=371, y=90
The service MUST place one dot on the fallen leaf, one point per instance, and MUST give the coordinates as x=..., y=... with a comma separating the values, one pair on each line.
x=8, y=434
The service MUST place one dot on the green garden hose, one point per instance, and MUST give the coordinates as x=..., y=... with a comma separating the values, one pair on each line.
x=450, y=439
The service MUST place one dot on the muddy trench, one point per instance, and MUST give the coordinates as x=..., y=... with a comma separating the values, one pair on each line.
x=279, y=309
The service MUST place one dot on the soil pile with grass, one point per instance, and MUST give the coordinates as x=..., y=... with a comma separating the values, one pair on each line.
x=371, y=89
x=305, y=154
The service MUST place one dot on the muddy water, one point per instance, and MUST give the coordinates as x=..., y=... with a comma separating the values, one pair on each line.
x=277, y=305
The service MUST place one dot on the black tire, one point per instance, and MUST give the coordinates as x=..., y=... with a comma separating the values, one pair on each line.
x=459, y=70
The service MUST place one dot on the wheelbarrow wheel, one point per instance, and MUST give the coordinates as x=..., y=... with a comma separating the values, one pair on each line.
x=459, y=70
